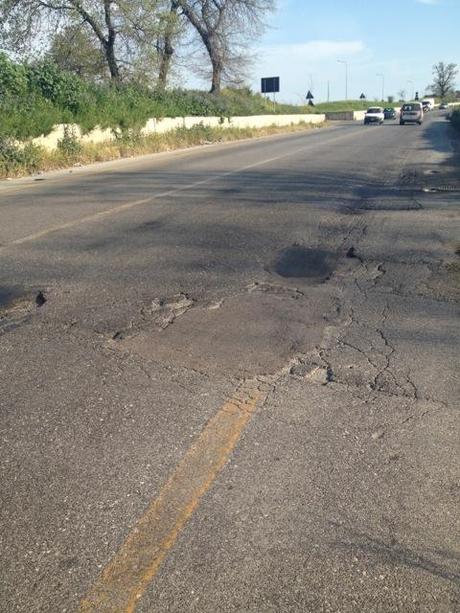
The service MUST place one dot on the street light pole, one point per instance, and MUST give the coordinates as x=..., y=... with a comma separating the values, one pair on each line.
x=346, y=77
x=380, y=74
x=412, y=83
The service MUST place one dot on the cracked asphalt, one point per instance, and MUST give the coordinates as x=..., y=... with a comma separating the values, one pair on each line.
x=238, y=391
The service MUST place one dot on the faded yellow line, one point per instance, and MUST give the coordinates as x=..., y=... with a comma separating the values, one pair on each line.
x=128, y=575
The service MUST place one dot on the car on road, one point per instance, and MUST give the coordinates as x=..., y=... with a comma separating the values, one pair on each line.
x=411, y=112
x=374, y=114
x=428, y=104
x=389, y=113
x=443, y=106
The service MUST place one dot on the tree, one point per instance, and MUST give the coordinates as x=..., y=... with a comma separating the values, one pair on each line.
x=225, y=28
x=74, y=49
x=169, y=32
x=117, y=27
x=401, y=95
x=444, y=76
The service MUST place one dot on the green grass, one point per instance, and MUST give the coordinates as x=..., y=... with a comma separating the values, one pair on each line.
x=351, y=105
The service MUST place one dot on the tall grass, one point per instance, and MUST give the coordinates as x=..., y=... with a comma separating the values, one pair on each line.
x=18, y=161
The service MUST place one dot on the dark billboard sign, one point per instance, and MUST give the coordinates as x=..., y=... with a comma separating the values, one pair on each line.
x=271, y=85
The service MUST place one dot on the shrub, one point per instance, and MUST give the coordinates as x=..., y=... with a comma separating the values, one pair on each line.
x=62, y=88
x=15, y=158
x=69, y=144
x=13, y=78
x=35, y=97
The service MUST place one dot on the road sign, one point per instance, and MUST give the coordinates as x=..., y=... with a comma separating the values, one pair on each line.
x=362, y=97
x=309, y=96
x=270, y=85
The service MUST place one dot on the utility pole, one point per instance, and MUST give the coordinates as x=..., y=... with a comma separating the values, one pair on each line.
x=380, y=74
x=346, y=77
x=328, y=90
x=412, y=83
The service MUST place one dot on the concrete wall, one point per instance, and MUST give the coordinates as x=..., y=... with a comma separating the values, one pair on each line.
x=345, y=115
x=262, y=121
x=168, y=124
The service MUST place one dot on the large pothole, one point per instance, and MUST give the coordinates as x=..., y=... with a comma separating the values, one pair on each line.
x=300, y=262
x=253, y=333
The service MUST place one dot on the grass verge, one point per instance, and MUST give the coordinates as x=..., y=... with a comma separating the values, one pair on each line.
x=17, y=162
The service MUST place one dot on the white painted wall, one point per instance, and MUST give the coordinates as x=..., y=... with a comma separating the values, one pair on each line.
x=168, y=124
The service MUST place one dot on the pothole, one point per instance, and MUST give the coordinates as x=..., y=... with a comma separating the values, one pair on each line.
x=159, y=313
x=275, y=290
x=349, y=210
x=391, y=207
x=16, y=306
x=441, y=188
x=303, y=263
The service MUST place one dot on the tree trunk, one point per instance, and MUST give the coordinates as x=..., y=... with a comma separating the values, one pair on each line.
x=210, y=43
x=165, y=63
x=216, y=62
x=109, y=45
x=216, y=75
x=167, y=49
x=109, y=49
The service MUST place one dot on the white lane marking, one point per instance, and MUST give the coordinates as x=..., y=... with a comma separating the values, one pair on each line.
x=130, y=205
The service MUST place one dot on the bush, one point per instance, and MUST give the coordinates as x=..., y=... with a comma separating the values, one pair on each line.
x=63, y=89
x=13, y=78
x=15, y=158
x=33, y=98
x=69, y=144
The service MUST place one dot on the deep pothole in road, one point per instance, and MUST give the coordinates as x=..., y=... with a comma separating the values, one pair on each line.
x=16, y=306
x=300, y=262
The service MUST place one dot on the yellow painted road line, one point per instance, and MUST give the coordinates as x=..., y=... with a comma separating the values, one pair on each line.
x=129, y=574
x=130, y=205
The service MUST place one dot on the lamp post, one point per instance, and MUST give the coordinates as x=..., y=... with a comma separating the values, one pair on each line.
x=346, y=77
x=412, y=83
x=380, y=74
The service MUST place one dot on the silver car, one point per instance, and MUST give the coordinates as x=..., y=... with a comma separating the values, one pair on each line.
x=411, y=112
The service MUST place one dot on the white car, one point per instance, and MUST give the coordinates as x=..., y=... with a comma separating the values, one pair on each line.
x=411, y=112
x=374, y=114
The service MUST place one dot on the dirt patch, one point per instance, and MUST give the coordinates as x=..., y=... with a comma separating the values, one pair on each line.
x=301, y=262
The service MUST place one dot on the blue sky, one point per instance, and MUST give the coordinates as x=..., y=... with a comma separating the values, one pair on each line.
x=401, y=39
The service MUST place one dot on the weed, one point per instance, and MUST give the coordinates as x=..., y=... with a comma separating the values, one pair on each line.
x=69, y=144
x=16, y=160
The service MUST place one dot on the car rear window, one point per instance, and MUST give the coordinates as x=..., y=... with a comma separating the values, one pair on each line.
x=411, y=107
x=374, y=110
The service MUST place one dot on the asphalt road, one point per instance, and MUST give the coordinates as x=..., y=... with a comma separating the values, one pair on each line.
x=229, y=378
